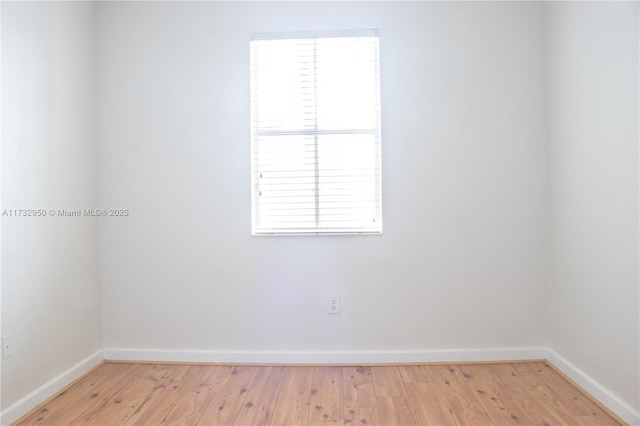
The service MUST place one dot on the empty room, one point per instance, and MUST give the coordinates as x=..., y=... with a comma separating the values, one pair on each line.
x=305, y=212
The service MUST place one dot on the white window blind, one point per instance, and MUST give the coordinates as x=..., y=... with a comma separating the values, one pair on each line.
x=315, y=133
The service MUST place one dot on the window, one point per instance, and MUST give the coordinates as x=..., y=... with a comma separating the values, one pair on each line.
x=315, y=133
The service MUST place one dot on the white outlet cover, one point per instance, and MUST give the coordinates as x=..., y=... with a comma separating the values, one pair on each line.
x=334, y=305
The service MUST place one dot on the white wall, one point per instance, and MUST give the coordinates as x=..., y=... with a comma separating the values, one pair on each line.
x=461, y=263
x=50, y=293
x=593, y=191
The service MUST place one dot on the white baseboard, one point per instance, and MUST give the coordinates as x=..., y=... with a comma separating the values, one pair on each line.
x=325, y=357
x=49, y=389
x=598, y=391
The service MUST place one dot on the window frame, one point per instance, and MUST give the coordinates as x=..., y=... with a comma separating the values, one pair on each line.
x=374, y=131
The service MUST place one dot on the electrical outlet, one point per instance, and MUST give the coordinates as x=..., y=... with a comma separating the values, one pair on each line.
x=8, y=347
x=334, y=305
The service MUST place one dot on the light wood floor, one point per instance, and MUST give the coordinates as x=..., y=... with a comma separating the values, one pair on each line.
x=479, y=394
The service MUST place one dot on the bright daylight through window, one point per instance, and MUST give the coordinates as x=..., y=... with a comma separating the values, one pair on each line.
x=315, y=133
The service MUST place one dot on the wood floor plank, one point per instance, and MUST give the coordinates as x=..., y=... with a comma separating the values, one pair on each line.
x=544, y=392
x=357, y=387
x=326, y=405
x=553, y=378
x=363, y=416
x=69, y=403
x=429, y=407
x=395, y=410
x=260, y=400
x=594, y=420
x=82, y=414
x=499, y=406
x=212, y=379
x=539, y=412
x=550, y=389
x=190, y=408
x=495, y=402
x=178, y=383
x=461, y=401
x=219, y=414
x=388, y=381
x=227, y=401
x=292, y=407
x=394, y=406
x=510, y=381
x=414, y=374
x=181, y=394
x=133, y=398
x=234, y=389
